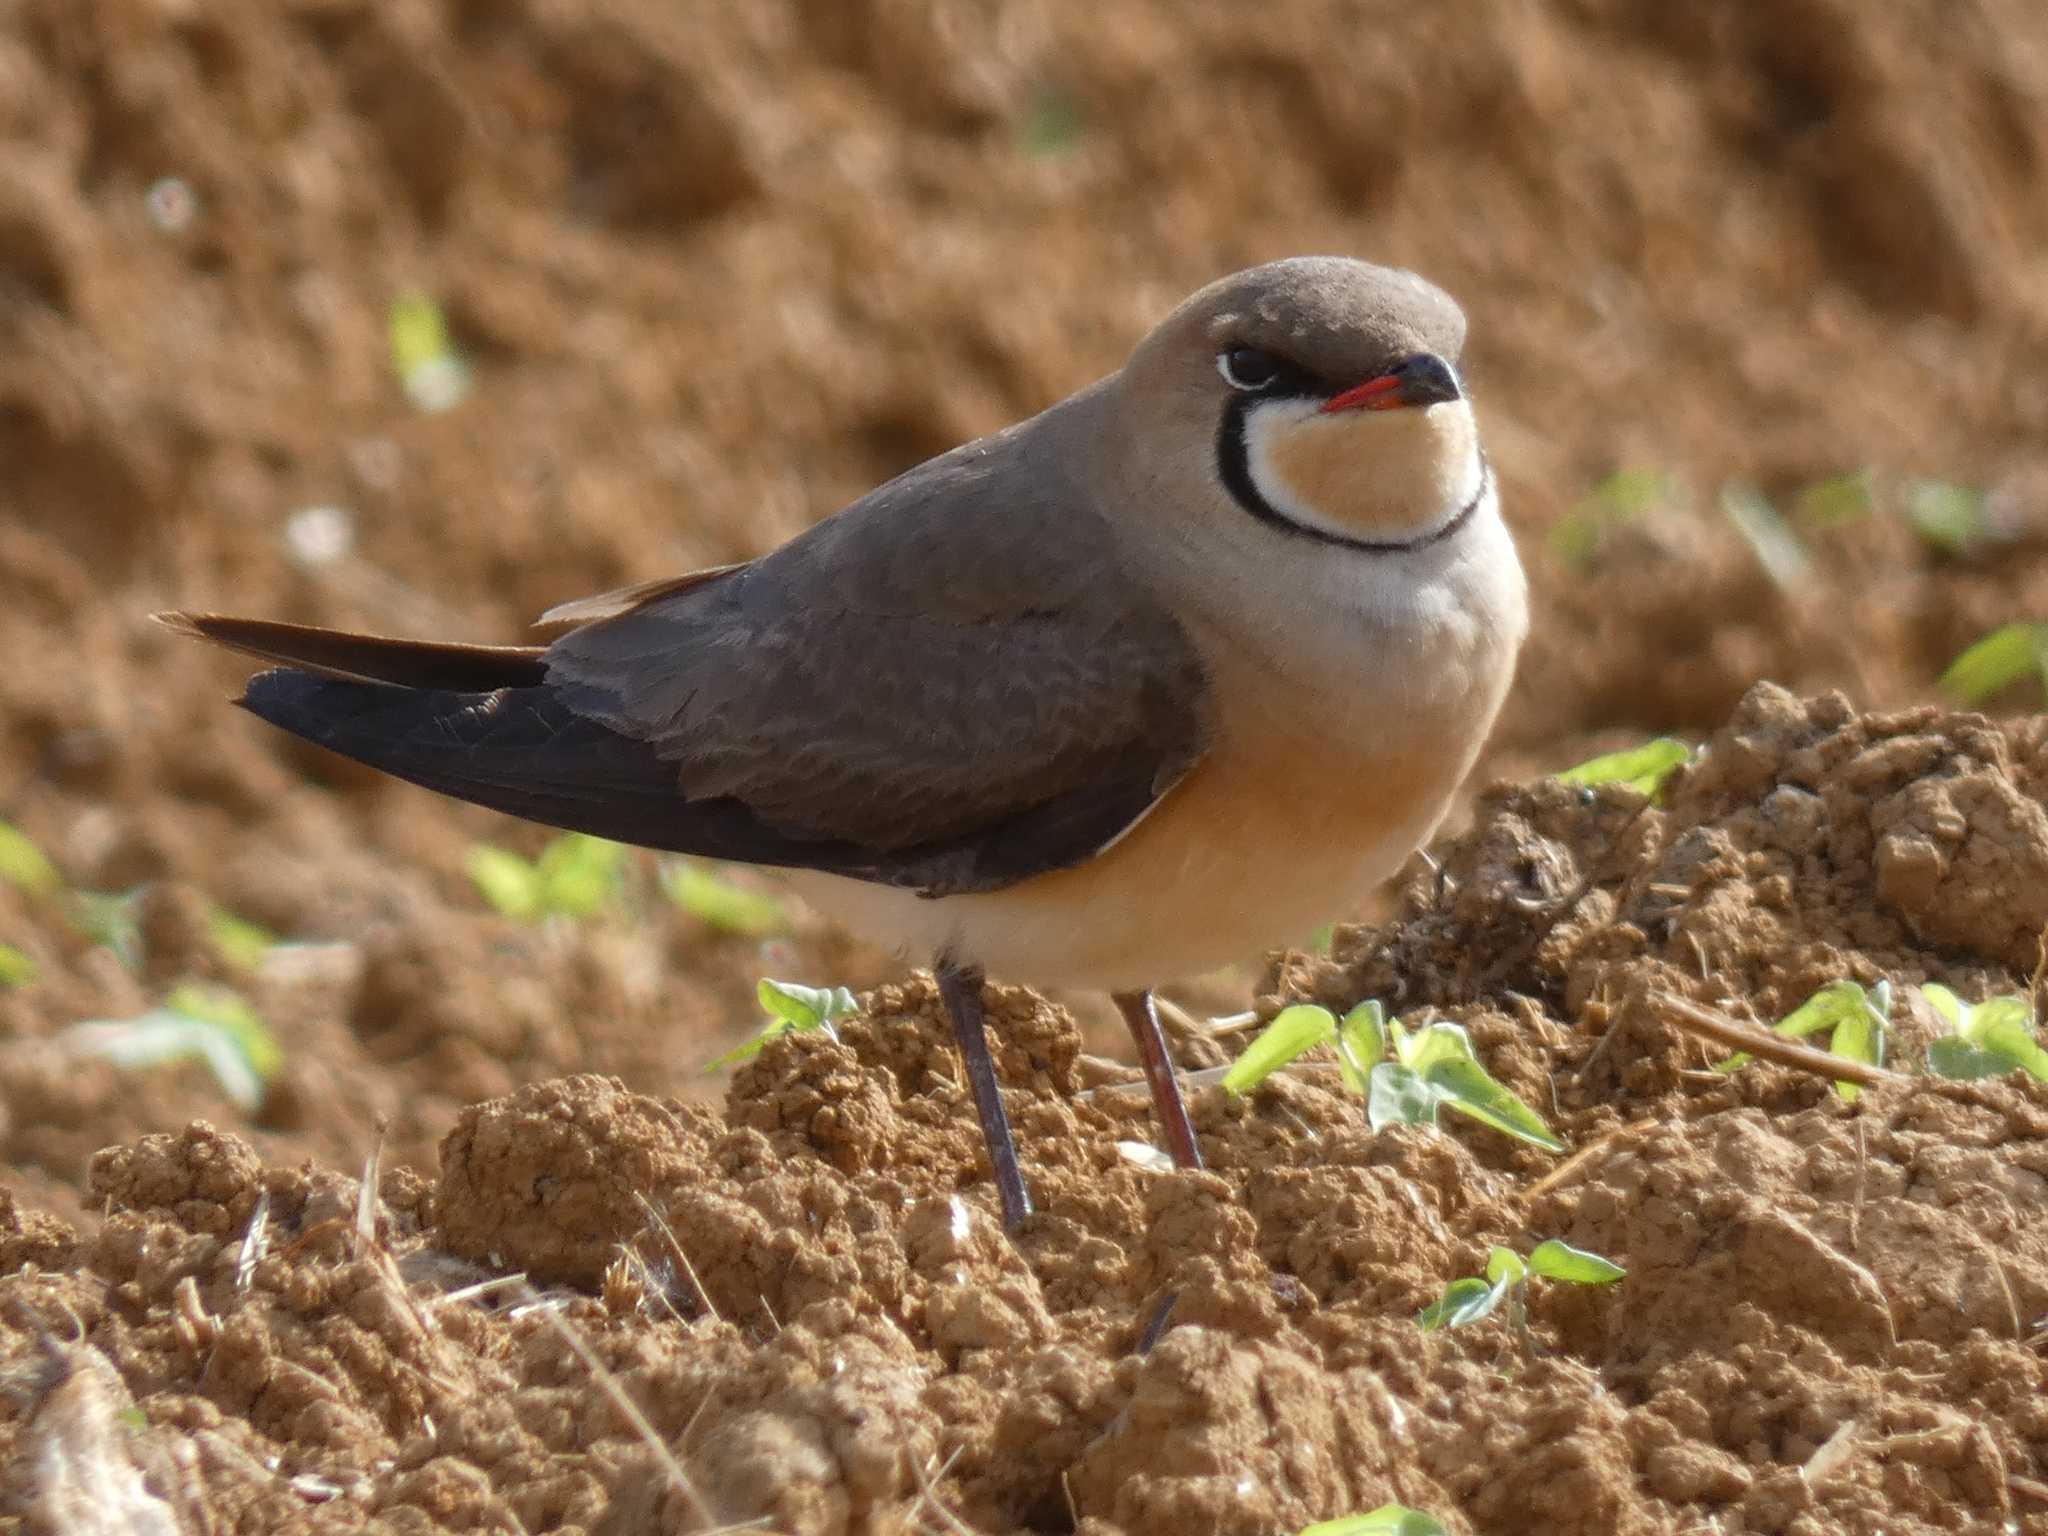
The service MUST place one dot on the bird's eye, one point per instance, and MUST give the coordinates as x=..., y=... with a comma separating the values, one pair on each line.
x=1247, y=368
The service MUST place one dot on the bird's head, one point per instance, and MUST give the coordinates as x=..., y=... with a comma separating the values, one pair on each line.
x=1325, y=398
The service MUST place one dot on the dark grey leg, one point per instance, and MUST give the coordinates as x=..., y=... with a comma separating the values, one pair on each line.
x=1143, y=1020
x=960, y=990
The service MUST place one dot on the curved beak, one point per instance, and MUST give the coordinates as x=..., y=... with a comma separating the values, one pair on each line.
x=1424, y=379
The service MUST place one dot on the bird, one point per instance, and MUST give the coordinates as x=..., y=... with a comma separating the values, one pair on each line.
x=1165, y=676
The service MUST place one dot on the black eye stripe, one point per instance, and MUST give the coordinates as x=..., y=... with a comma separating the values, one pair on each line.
x=1255, y=371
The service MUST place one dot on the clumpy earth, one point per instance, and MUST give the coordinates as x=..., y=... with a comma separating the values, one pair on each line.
x=609, y=1311
x=494, y=1253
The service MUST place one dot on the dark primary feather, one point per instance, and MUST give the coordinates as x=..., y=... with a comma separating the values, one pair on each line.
x=948, y=686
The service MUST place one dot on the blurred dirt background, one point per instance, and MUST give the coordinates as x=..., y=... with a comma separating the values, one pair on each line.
x=715, y=270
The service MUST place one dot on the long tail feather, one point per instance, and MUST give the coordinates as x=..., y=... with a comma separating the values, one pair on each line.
x=369, y=658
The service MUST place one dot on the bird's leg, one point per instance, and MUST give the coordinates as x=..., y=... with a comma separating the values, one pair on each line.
x=960, y=991
x=1143, y=1020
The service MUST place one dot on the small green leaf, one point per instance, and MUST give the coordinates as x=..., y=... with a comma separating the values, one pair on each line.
x=1857, y=1018
x=1951, y=1056
x=1950, y=517
x=508, y=882
x=210, y=1024
x=1293, y=1031
x=574, y=876
x=1627, y=496
x=16, y=969
x=1860, y=1036
x=2017, y=1045
x=578, y=874
x=1643, y=768
x=1361, y=1045
x=24, y=865
x=790, y=1007
x=1434, y=1069
x=1397, y=1096
x=1555, y=1260
x=131, y=1418
x=1830, y=503
x=241, y=943
x=1821, y=1012
x=111, y=919
x=1998, y=661
x=1771, y=539
x=1947, y=1004
x=1387, y=1520
x=230, y=1013
x=1464, y=1301
x=802, y=1007
x=723, y=905
x=1999, y=1027
x=2007, y=1008
x=1443, y=1055
x=1505, y=1267
x=1466, y=1087
x=422, y=354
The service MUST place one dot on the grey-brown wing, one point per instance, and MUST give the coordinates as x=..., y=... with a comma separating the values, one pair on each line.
x=954, y=676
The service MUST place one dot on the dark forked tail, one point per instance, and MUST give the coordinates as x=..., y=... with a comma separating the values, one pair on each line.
x=476, y=722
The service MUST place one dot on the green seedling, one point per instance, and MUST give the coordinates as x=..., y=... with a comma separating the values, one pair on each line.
x=1627, y=496
x=1643, y=768
x=1998, y=661
x=1856, y=1018
x=574, y=876
x=1387, y=1520
x=1949, y=517
x=1777, y=548
x=104, y=918
x=717, y=901
x=1989, y=1039
x=433, y=376
x=1830, y=503
x=209, y=1024
x=241, y=943
x=16, y=969
x=25, y=866
x=790, y=1008
x=1405, y=1076
x=1507, y=1280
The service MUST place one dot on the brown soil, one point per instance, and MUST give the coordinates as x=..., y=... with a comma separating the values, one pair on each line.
x=718, y=269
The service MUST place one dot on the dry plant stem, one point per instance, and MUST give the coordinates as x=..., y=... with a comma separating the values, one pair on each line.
x=1773, y=1048
x=628, y=1409
x=1571, y=1166
x=1143, y=1021
x=960, y=990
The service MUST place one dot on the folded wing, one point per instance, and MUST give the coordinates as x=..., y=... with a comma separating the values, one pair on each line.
x=949, y=686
